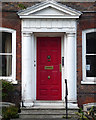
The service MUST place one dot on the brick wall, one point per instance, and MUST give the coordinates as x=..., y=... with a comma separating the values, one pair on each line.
x=86, y=93
x=11, y=20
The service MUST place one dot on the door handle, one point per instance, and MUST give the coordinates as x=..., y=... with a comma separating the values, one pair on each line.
x=48, y=77
x=63, y=61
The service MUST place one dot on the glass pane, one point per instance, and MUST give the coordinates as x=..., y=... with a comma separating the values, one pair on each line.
x=91, y=64
x=6, y=43
x=5, y=65
x=91, y=42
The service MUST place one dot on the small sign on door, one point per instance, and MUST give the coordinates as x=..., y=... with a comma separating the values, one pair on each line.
x=87, y=67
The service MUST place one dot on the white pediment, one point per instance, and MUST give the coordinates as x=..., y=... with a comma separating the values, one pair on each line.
x=49, y=9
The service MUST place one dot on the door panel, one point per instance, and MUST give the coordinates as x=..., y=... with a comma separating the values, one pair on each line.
x=48, y=68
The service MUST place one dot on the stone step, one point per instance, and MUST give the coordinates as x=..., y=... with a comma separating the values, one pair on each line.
x=44, y=119
x=46, y=112
x=49, y=103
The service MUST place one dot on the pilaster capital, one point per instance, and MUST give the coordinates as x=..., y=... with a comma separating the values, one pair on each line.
x=27, y=34
x=71, y=34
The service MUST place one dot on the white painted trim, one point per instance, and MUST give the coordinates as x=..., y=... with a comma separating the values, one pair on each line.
x=35, y=41
x=86, y=80
x=13, y=77
x=90, y=54
x=76, y=61
x=62, y=78
x=49, y=30
x=71, y=66
x=34, y=16
x=5, y=53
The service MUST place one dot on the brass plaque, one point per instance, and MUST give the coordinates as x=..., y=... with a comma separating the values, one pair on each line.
x=48, y=67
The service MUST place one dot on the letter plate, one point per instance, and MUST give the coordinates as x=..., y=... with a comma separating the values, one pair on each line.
x=48, y=67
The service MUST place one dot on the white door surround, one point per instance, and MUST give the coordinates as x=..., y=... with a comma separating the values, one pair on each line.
x=48, y=18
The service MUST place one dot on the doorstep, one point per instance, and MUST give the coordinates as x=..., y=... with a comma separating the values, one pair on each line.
x=45, y=119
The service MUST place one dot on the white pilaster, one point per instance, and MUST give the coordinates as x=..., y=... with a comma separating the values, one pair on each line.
x=33, y=67
x=71, y=66
x=27, y=69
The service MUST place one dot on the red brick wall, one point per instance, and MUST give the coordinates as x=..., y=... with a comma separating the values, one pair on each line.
x=86, y=93
x=11, y=20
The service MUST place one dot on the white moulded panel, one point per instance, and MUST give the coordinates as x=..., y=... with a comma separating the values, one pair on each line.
x=38, y=23
x=43, y=23
x=54, y=23
x=49, y=23
x=60, y=23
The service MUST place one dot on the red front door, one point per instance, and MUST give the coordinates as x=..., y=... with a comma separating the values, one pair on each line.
x=48, y=68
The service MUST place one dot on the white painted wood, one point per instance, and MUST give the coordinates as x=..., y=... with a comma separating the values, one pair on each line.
x=11, y=78
x=38, y=23
x=54, y=23
x=62, y=55
x=33, y=67
x=65, y=63
x=60, y=23
x=49, y=23
x=71, y=67
x=56, y=17
x=35, y=62
x=27, y=69
x=43, y=23
x=50, y=30
x=57, y=23
x=86, y=80
x=49, y=11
